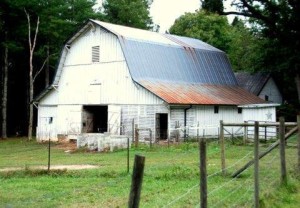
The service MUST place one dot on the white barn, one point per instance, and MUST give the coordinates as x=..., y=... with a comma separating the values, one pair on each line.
x=109, y=75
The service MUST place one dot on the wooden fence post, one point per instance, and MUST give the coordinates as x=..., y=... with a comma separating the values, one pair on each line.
x=137, y=180
x=222, y=146
x=128, y=147
x=133, y=132
x=245, y=133
x=282, y=150
x=298, y=124
x=177, y=130
x=256, y=164
x=136, y=135
x=150, y=133
x=203, y=172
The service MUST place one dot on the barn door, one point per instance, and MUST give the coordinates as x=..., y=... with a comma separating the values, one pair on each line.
x=114, y=119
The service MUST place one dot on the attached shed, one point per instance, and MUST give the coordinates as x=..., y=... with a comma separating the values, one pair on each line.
x=263, y=113
x=260, y=84
x=109, y=75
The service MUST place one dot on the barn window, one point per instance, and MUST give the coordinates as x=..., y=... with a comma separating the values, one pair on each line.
x=266, y=98
x=216, y=109
x=95, y=54
x=240, y=110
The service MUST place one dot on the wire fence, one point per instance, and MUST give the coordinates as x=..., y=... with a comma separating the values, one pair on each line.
x=166, y=170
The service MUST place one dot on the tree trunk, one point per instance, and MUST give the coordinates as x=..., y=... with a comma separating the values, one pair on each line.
x=297, y=80
x=32, y=44
x=47, y=68
x=30, y=122
x=4, y=94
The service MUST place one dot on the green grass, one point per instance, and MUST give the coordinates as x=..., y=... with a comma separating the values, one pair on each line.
x=171, y=177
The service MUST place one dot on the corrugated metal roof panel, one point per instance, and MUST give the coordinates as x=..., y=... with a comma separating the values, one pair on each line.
x=200, y=94
x=191, y=42
x=155, y=37
x=177, y=64
x=152, y=55
x=135, y=33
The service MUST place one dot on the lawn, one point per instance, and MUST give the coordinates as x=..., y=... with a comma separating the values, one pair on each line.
x=171, y=176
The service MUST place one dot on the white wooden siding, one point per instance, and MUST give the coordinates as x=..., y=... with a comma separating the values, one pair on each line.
x=47, y=123
x=143, y=115
x=50, y=99
x=272, y=91
x=204, y=115
x=107, y=82
x=267, y=114
x=69, y=119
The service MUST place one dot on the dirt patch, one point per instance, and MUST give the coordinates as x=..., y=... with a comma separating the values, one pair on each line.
x=53, y=167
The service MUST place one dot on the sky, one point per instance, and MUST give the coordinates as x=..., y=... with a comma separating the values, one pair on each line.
x=165, y=12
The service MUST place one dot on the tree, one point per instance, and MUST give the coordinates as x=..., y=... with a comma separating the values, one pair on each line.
x=58, y=20
x=32, y=44
x=214, y=6
x=133, y=13
x=278, y=22
x=245, y=51
x=208, y=27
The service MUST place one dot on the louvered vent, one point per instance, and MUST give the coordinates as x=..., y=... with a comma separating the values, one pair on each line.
x=96, y=54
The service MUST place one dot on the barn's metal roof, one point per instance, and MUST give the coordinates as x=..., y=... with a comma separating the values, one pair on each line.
x=253, y=83
x=205, y=94
x=171, y=58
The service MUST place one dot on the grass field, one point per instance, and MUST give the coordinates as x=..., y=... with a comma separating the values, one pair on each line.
x=171, y=177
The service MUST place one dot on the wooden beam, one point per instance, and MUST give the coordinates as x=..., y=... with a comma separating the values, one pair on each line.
x=260, y=124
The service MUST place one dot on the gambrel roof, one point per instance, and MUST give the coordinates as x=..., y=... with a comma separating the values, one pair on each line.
x=179, y=70
x=253, y=83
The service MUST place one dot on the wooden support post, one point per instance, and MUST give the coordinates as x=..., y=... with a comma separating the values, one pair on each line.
x=150, y=133
x=128, y=147
x=136, y=135
x=133, y=132
x=298, y=122
x=245, y=133
x=203, y=172
x=256, y=165
x=222, y=147
x=137, y=180
x=282, y=151
x=177, y=130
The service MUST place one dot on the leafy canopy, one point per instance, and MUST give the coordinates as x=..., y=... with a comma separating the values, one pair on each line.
x=133, y=13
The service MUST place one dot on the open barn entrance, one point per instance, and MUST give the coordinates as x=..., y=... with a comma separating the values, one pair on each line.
x=161, y=126
x=94, y=119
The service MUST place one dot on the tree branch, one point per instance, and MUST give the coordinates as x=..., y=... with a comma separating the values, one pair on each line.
x=36, y=32
x=42, y=67
x=29, y=28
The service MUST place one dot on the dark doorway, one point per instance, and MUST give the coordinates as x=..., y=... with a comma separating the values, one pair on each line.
x=94, y=119
x=162, y=125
